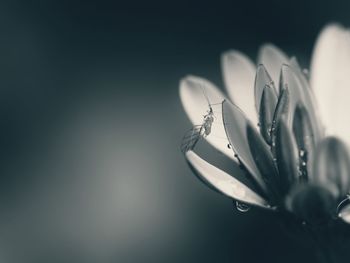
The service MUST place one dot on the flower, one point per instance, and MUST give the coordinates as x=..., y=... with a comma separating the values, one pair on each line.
x=286, y=131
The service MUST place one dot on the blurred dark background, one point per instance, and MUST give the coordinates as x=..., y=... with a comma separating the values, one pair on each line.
x=91, y=124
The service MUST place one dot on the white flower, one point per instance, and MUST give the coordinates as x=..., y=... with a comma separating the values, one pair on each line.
x=288, y=138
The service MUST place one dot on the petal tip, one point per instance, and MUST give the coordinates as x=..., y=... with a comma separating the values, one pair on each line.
x=333, y=26
x=270, y=48
x=233, y=54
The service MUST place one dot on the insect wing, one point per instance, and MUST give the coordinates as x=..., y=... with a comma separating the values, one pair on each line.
x=191, y=138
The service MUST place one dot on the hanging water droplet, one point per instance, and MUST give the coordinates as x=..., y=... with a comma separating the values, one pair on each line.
x=241, y=207
x=303, y=163
x=301, y=153
x=229, y=146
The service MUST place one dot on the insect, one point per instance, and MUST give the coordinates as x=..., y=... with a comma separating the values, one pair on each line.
x=197, y=132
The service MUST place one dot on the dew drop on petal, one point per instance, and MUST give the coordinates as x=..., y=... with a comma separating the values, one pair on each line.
x=241, y=207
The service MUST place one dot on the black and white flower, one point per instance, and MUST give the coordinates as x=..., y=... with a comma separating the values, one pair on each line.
x=287, y=130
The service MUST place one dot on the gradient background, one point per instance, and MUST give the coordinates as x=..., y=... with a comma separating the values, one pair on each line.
x=91, y=124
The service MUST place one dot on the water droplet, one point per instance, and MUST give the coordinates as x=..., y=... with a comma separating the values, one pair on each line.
x=306, y=71
x=229, y=146
x=241, y=207
x=303, y=163
x=301, y=153
x=269, y=131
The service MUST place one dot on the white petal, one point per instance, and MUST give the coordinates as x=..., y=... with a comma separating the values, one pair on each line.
x=195, y=93
x=223, y=182
x=330, y=79
x=300, y=93
x=238, y=73
x=272, y=58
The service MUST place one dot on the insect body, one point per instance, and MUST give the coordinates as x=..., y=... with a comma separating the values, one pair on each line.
x=208, y=121
x=197, y=132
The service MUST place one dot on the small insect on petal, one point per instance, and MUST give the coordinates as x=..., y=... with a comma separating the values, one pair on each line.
x=200, y=99
x=286, y=156
x=223, y=182
x=331, y=167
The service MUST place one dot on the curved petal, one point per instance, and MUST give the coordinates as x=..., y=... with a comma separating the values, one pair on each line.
x=196, y=94
x=223, y=182
x=272, y=58
x=262, y=80
x=330, y=79
x=299, y=95
x=305, y=138
x=311, y=203
x=267, y=109
x=265, y=101
x=307, y=96
x=331, y=167
x=286, y=156
x=265, y=162
x=236, y=130
x=238, y=73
